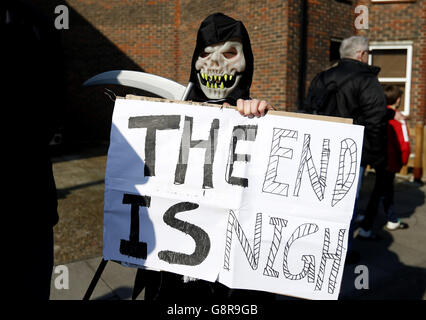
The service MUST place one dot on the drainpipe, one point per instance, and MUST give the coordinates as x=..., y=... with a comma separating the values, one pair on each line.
x=302, y=53
x=418, y=159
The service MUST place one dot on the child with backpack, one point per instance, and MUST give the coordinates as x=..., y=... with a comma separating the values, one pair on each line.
x=398, y=154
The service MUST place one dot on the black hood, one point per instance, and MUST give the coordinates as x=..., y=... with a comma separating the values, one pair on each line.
x=220, y=28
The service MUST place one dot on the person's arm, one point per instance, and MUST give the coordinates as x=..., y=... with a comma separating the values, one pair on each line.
x=373, y=117
x=399, y=116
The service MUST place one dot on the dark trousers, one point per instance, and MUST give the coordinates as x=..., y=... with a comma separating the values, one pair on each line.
x=167, y=286
x=383, y=190
x=356, y=207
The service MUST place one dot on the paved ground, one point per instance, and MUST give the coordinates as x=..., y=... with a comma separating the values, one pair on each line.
x=396, y=264
x=79, y=178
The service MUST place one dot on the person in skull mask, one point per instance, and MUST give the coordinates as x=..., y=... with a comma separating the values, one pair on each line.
x=221, y=73
x=222, y=66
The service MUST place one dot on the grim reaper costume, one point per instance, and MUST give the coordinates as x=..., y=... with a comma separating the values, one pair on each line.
x=222, y=64
x=221, y=71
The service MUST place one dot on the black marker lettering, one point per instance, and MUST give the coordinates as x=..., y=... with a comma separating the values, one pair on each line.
x=133, y=247
x=247, y=133
x=187, y=143
x=152, y=124
x=201, y=238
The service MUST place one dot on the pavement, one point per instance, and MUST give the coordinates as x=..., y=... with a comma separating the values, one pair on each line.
x=392, y=268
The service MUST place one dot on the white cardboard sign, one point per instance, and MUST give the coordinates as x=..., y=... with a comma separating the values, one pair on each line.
x=262, y=203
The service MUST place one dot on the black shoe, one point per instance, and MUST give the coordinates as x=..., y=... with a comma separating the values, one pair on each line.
x=368, y=236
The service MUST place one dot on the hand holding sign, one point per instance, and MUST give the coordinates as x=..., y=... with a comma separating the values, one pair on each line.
x=252, y=108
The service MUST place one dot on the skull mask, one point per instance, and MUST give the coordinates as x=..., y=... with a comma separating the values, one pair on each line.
x=222, y=58
x=220, y=67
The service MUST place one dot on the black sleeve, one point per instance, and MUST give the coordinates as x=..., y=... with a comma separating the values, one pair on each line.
x=315, y=89
x=374, y=119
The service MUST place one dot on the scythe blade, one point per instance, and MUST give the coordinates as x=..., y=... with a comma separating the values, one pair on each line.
x=160, y=86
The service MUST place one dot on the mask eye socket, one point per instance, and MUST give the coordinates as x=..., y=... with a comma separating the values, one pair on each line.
x=230, y=53
x=204, y=54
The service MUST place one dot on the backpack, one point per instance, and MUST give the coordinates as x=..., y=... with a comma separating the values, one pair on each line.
x=323, y=98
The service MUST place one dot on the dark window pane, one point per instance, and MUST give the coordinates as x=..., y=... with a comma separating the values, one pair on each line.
x=393, y=62
x=334, y=50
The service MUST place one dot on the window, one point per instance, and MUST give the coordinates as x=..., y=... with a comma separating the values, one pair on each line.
x=334, y=49
x=394, y=59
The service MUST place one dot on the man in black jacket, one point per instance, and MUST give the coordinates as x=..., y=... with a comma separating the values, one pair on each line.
x=360, y=96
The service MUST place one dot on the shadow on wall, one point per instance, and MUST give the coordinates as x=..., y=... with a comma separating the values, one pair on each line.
x=86, y=116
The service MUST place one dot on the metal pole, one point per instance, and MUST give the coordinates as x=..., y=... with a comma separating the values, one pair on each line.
x=95, y=279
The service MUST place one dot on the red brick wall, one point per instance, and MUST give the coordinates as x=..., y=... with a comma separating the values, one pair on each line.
x=144, y=30
x=327, y=20
x=266, y=24
x=422, y=63
x=274, y=29
x=292, y=54
x=397, y=22
x=108, y=35
x=159, y=37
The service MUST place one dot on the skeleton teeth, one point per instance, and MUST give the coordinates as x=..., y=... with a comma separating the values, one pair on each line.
x=216, y=81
